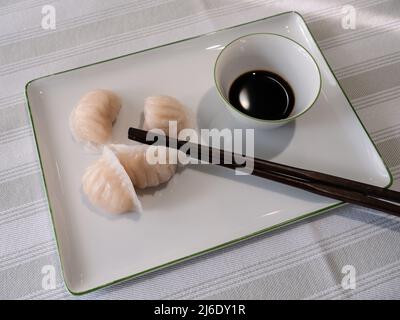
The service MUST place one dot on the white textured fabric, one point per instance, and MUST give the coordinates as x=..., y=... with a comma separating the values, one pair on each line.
x=303, y=261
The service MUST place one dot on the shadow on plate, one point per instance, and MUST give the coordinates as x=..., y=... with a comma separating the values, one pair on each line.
x=268, y=143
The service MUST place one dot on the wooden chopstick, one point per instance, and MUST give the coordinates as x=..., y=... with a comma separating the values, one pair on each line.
x=334, y=192
x=320, y=183
x=288, y=170
x=348, y=184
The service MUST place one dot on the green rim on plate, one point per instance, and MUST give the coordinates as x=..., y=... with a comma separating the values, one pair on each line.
x=223, y=245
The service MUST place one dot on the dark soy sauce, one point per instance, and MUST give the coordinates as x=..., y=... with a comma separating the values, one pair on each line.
x=263, y=95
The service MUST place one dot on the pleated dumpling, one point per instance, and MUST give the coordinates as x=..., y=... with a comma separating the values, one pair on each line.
x=142, y=165
x=92, y=119
x=160, y=110
x=107, y=185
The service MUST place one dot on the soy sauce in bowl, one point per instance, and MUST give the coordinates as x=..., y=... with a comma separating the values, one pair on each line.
x=263, y=95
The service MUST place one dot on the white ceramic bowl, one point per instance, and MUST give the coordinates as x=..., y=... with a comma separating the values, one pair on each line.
x=275, y=53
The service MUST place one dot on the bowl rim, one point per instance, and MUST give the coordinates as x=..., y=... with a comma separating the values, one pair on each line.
x=266, y=121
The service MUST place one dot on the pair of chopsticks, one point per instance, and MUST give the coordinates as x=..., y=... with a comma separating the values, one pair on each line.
x=342, y=189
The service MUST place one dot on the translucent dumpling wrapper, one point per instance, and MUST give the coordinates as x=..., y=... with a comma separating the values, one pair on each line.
x=108, y=186
x=159, y=111
x=92, y=119
x=147, y=166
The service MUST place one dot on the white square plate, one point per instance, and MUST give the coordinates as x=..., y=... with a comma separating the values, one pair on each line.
x=201, y=208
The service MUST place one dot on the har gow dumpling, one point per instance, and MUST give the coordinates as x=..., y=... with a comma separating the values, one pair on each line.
x=92, y=119
x=141, y=163
x=160, y=110
x=107, y=185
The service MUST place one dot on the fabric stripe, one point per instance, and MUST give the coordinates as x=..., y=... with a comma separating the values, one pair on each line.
x=41, y=294
x=110, y=40
x=114, y=11
x=386, y=132
x=28, y=250
x=15, y=99
x=15, y=118
x=368, y=65
x=19, y=171
x=371, y=82
x=329, y=32
x=298, y=255
x=363, y=34
x=363, y=282
x=336, y=10
x=302, y=282
x=27, y=255
x=20, y=190
x=23, y=211
x=15, y=135
x=16, y=6
x=308, y=261
x=391, y=149
x=11, y=278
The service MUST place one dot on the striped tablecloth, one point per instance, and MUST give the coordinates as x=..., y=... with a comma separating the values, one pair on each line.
x=304, y=261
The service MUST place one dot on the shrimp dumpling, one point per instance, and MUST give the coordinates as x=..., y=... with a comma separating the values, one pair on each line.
x=107, y=185
x=160, y=110
x=92, y=119
x=142, y=164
